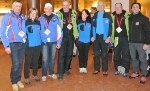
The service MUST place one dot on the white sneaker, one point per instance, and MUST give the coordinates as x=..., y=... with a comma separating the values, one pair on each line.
x=43, y=78
x=81, y=70
x=53, y=76
x=85, y=71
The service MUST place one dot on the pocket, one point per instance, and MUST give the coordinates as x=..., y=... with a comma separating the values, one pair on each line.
x=30, y=30
x=82, y=27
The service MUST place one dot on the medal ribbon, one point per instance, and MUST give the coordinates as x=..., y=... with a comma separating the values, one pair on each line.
x=119, y=22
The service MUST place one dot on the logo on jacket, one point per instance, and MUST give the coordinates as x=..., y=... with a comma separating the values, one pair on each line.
x=137, y=23
x=106, y=21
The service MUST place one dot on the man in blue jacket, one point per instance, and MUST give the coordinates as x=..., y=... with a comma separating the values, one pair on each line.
x=51, y=35
x=14, y=38
x=101, y=25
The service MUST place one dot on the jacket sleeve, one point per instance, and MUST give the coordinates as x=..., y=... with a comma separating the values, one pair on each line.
x=110, y=26
x=59, y=33
x=147, y=30
x=4, y=30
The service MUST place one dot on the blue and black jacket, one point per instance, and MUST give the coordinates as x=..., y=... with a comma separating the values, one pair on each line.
x=84, y=30
x=12, y=24
x=106, y=23
x=33, y=33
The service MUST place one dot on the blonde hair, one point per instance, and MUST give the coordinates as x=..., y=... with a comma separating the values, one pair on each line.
x=33, y=9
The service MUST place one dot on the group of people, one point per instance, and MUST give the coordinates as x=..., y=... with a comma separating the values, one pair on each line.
x=34, y=35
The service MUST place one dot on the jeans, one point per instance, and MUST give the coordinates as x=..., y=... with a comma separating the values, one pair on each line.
x=17, y=55
x=48, y=54
x=32, y=56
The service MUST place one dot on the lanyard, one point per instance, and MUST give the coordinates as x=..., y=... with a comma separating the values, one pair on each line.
x=68, y=17
x=46, y=22
x=119, y=22
x=19, y=22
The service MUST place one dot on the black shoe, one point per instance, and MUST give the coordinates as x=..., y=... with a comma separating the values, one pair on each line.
x=60, y=77
x=74, y=55
x=67, y=73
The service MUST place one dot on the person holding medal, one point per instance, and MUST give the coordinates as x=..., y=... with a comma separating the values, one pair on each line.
x=13, y=35
x=68, y=24
x=51, y=35
x=119, y=37
x=100, y=36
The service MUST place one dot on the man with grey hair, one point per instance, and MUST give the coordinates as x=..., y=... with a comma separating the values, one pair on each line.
x=101, y=27
x=68, y=24
x=13, y=36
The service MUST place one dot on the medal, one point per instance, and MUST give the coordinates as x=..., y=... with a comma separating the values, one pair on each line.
x=118, y=29
x=69, y=26
x=119, y=24
x=47, y=32
x=21, y=33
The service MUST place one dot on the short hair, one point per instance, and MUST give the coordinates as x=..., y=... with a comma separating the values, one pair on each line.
x=136, y=3
x=101, y=2
x=118, y=3
x=94, y=8
x=66, y=1
x=16, y=1
x=32, y=9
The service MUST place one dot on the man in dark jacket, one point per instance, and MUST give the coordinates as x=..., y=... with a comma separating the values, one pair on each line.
x=139, y=28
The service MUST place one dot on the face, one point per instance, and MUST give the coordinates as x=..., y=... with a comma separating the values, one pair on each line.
x=17, y=7
x=118, y=8
x=100, y=7
x=135, y=9
x=48, y=10
x=84, y=15
x=33, y=15
x=65, y=6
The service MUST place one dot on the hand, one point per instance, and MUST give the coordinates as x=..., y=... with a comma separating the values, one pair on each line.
x=108, y=40
x=77, y=35
x=8, y=51
x=92, y=39
x=58, y=46
x=145, y=46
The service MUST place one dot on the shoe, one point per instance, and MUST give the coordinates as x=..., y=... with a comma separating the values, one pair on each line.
x=60, y=77
x=81, y=70
x=20, y=85
x=84, y=70
x=67, y=73
x=15, y=87
x=125, y=74
x=43, y=78
x=36, y=78
x=96, y=72
x=117, y=72
x=53, y=76
x=27, y=81
x=74, y=54
x=105, y=73
x=143, y=80
x=134, y=75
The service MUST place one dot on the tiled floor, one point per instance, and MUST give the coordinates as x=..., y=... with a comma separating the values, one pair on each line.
x=74, y=82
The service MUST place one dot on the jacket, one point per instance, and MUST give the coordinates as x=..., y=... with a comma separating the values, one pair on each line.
x=84, y=29
x=106, y=23
x=12, y=26
x=73, y=19
x=33, y=33
x=139, y=29
x=55, y=31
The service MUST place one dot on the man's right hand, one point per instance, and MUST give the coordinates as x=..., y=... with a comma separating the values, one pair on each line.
x=92, y=39
x=8, y=50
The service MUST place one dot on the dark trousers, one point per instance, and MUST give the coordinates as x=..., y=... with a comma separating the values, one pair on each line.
x=31, y=56
x=121, y=54
x=83, y=49
x=65, y=55
x=98, y=44
x=17, y=55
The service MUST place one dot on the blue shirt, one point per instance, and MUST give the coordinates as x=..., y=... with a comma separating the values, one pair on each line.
x=100, y=27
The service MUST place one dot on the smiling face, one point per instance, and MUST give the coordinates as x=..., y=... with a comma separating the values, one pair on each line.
x=17, y=7
x=100, y=7
x=84, y=15
x=135, y=9
x=33, y=15
x=65, y=6
x=118, y=8
x=48, y=10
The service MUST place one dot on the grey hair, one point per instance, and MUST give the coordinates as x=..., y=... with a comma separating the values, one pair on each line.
x=66, y=1
x=16, y=2
x=100, y=2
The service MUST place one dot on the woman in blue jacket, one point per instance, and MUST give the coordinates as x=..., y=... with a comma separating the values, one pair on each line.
x=83, y=40
x=33, y=47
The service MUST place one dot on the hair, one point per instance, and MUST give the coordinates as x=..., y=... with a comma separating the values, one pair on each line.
x=118, y=3
x=88, y=18
x=16, y=1
x=136, y=3
x=66, y=1
x=101, y=3
x=32, y=9
x=94, y=8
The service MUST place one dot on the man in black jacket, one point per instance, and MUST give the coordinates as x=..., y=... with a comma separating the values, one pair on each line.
x=139, y=28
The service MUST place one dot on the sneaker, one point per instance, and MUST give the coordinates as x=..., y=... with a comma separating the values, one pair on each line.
x=27, y=81
x=15, y=87
x=20, y=85
x=53, y=76
x=81, y=70
x=36, y=78
x=105, y=73
x=84, y=70
x=43, y=78
x=124, y=74
x=143, y=80
x=134, y=75
x=117, y=72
